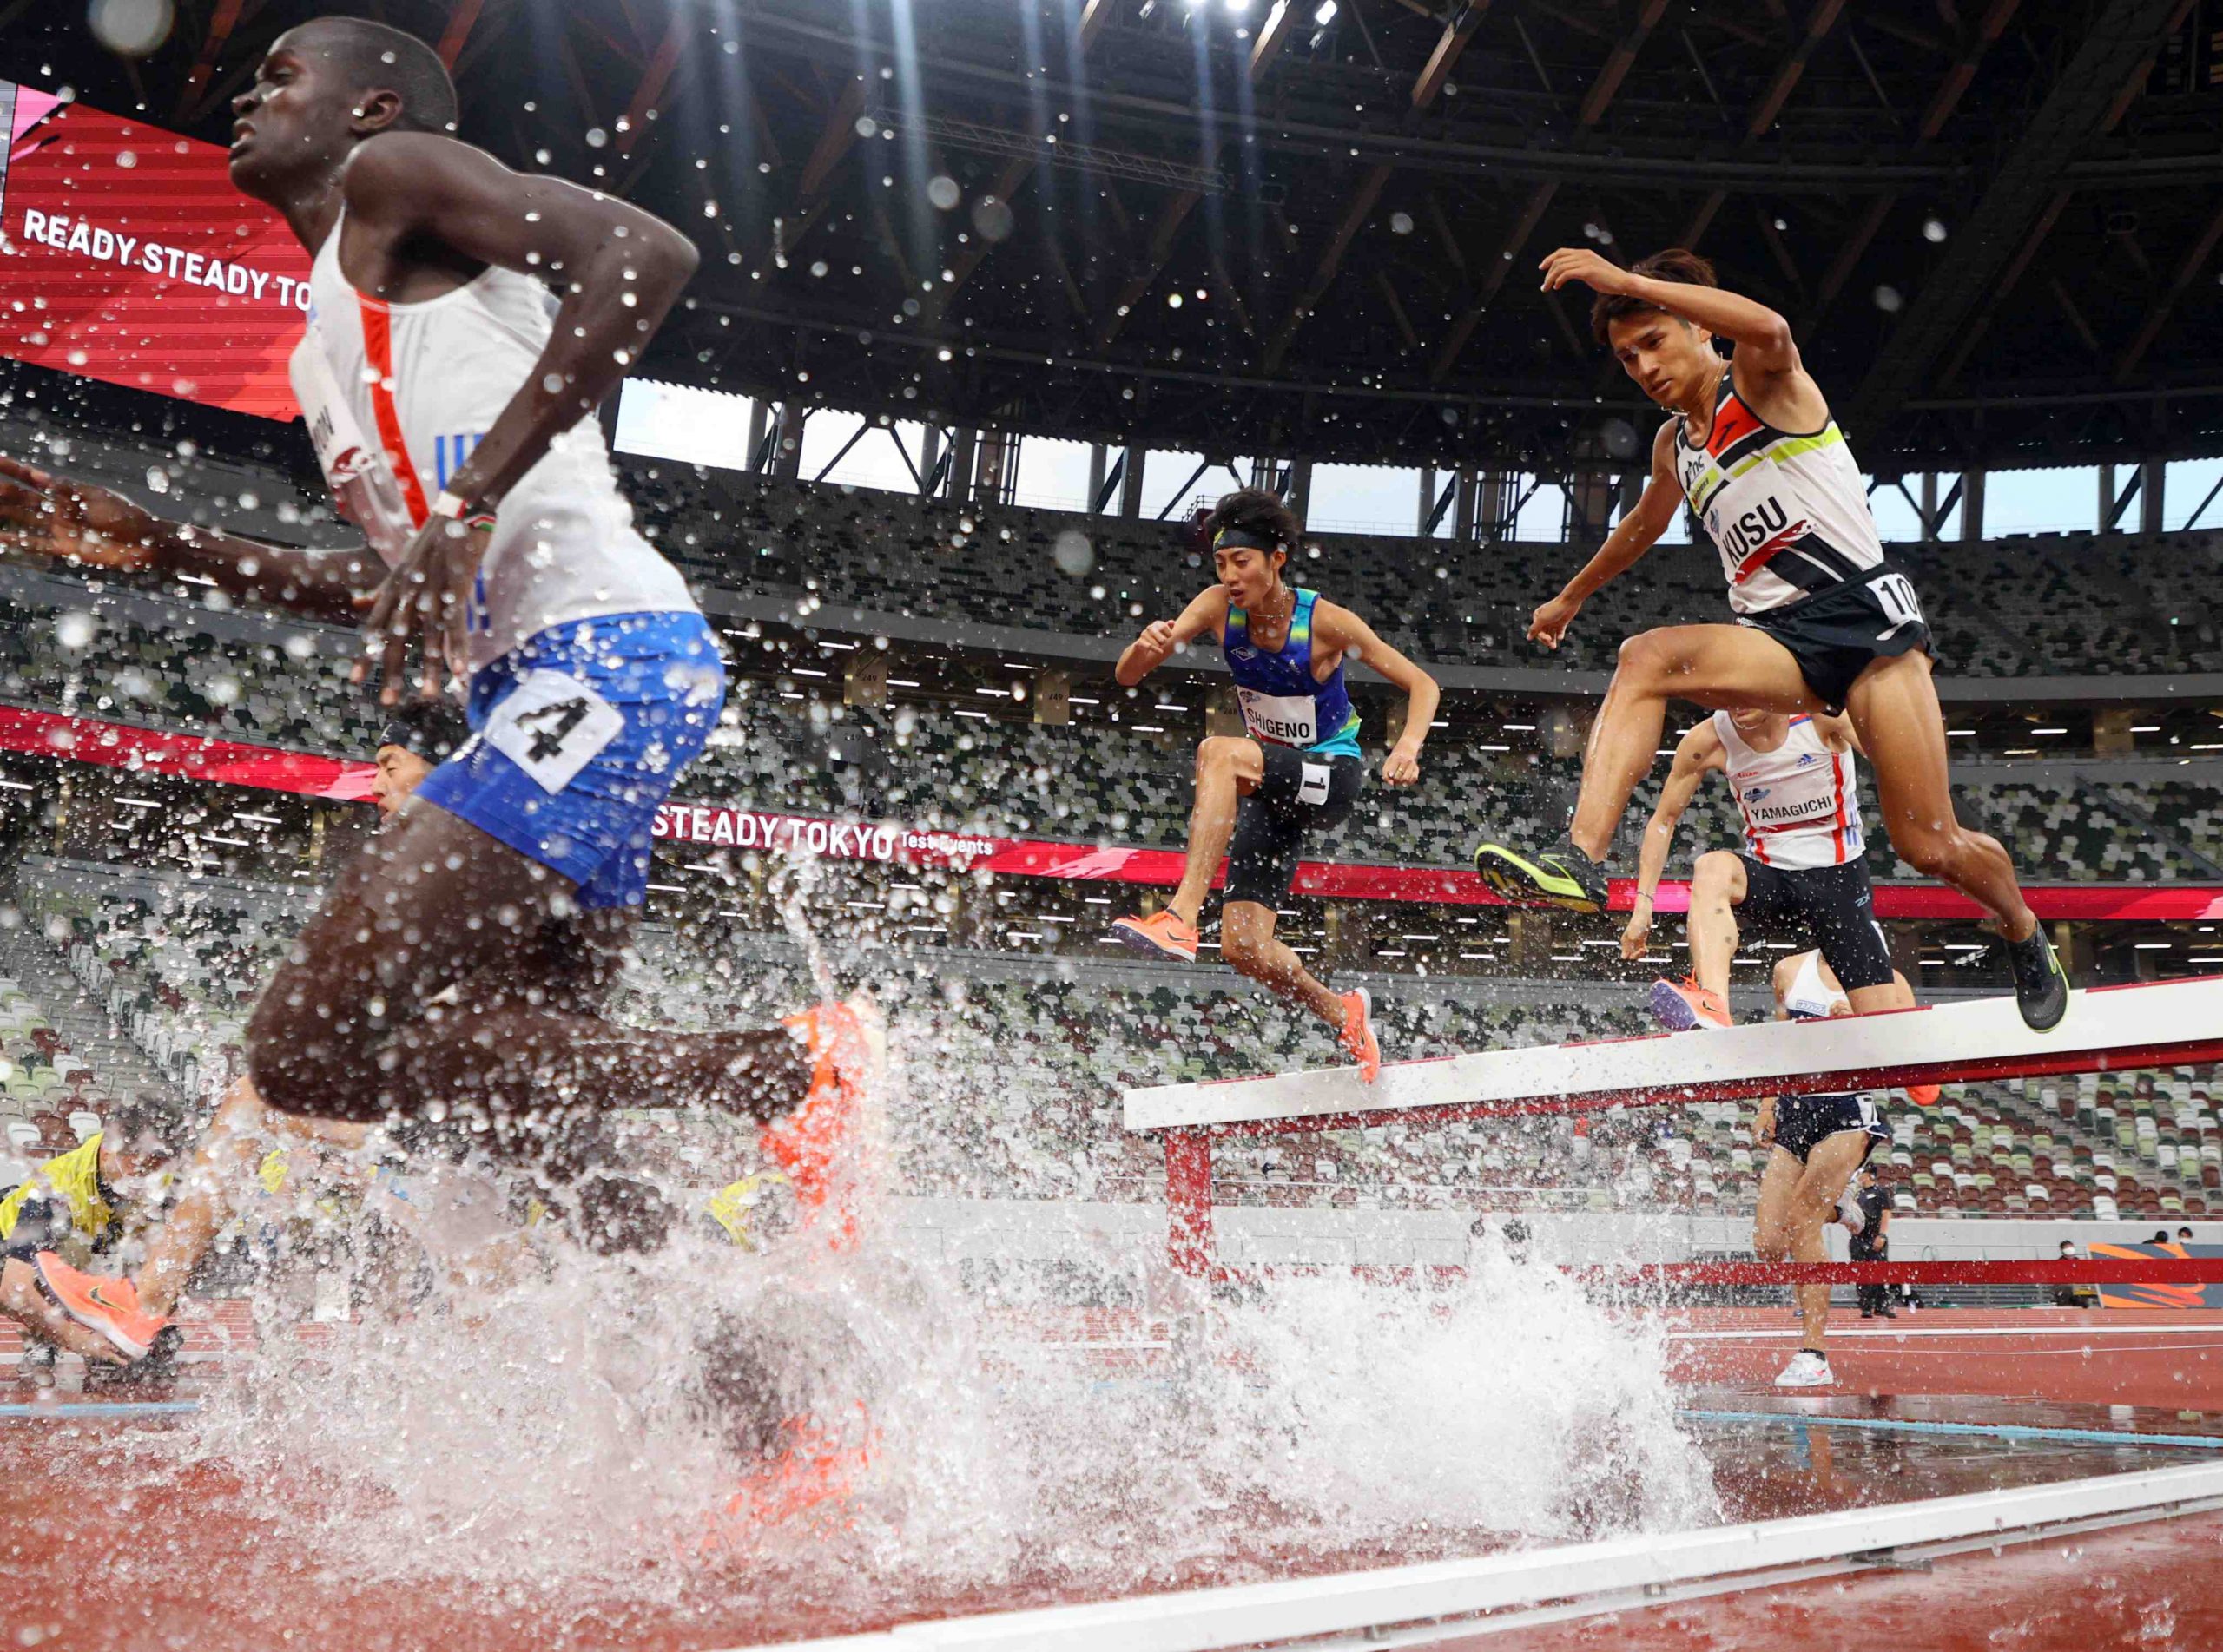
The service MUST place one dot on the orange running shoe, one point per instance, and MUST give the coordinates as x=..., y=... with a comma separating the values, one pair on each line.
x=817, y=1145
x=820, y=1466
x=1160, y=935
x=1357, y=1037
x=102, y=1303
x=1681, y=1008
x=1922, y=1095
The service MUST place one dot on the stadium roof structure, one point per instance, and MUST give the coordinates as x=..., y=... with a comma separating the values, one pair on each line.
x=1312, y=228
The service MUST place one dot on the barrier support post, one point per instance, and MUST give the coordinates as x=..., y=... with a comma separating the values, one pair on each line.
x=1189, y=1202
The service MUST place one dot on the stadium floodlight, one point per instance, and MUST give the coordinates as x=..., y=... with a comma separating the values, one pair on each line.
x=1326, y=14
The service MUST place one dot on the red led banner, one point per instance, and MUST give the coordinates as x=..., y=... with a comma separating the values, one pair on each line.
x=712, y=826
x=127, y=255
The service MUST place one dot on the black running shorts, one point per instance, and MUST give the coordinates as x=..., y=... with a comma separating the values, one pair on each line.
x=1835, y=635
x=1302, y=794
x=1831, y=907
x=1803, y=1122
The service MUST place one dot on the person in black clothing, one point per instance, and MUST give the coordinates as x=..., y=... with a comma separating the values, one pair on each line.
x=1871, y=1242
x=2067, y=1295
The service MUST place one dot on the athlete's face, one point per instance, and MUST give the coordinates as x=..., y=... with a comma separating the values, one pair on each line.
x=400, y=772
x=1670, y=361
x=298, y=120
x=1750, y=722
x=1247, y=574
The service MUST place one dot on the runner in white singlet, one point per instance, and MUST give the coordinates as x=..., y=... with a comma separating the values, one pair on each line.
x=399, y=396
x=1797, y=794
x=451, y=398
x=1823, y=621
x=1800, y=874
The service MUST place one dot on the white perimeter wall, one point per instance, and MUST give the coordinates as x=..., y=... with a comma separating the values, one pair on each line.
x=1118, y=1237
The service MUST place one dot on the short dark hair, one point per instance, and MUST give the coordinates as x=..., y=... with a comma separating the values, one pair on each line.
x=382, y=59
x=1256, y=510
x=1675, y=264
x=430, y=728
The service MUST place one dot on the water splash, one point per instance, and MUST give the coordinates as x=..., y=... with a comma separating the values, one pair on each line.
x=569, y=1433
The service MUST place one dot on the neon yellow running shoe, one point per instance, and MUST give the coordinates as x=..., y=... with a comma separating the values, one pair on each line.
x=1570, y=881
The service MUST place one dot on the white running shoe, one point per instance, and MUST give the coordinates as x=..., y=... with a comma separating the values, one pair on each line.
x=1806, y=1370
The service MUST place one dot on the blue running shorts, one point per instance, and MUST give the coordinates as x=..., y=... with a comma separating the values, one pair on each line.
x=577, y=737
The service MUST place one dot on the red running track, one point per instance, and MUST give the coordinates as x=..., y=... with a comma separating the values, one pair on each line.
x=2170, y=1361
x=118, y=1547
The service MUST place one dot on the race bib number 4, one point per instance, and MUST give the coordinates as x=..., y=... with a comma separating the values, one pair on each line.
x=551, y=726
x=1283, y=720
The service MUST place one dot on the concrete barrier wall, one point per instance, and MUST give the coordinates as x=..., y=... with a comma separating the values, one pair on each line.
x=1118, y=1237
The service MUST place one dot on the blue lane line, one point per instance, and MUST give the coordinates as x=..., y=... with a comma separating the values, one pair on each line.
x=1988, y=1430
x=103, y=1408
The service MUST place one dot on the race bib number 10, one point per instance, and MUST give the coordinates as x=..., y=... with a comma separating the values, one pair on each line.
x=551, y=726
x=1895, y=594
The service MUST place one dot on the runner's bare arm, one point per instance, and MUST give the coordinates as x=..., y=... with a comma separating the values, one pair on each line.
x=1769, y=376
x=1346, y=632
x=1697, y=754
x=50, y=516
x=1838, y=734
x=1207, y=612
x=616, y=269
x=1763, y=337
x=619, y=270
x=1786, y=971
x=1635, y=534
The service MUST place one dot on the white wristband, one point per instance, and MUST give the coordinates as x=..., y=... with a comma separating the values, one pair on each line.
x=449, y=506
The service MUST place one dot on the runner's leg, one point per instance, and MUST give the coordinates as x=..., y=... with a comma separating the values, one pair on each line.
x=1248, y=942
x=1812, y=1204
x=1771, y=1227
x=345, y=1030
x=22, y=1301
x=1227, y=766
x=1716, y=665
x=1775, y=1229
x=571, y=963
x=1717, y=886
x=221, y=1162
x=1893, y=705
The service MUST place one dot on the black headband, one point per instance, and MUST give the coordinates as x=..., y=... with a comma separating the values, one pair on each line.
x=1245, y=538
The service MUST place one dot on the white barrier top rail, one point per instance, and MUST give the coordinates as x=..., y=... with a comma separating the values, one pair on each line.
x=2107, y=1029
x=1455, y=1595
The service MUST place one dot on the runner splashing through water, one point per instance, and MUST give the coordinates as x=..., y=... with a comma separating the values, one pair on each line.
x=452, y=395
